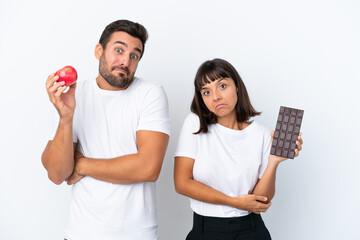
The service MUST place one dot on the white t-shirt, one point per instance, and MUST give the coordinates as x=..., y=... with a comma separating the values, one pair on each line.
x=230, y=161
x=104, y=126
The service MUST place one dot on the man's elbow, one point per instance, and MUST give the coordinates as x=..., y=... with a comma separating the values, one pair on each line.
x=153, y=178
x=152, y=175
x=55, y=179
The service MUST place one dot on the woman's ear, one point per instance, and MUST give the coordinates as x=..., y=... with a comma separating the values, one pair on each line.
x=98, y=51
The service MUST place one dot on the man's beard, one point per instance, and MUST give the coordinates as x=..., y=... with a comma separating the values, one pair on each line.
x=120, y=81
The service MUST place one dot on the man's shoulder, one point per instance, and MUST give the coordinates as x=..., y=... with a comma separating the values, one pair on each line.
x=83, y=83
x=145, y=87
x=144, y=84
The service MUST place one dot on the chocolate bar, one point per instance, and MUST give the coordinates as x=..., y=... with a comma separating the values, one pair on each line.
x=286, y=132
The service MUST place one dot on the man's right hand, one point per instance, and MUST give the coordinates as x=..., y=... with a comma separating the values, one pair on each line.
x=252, y=203
x=63, y=102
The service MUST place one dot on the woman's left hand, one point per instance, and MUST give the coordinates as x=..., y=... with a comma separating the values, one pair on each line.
x=298, y=148
x=299, y=143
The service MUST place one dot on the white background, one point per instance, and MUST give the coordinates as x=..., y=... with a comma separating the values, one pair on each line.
x=302, y=54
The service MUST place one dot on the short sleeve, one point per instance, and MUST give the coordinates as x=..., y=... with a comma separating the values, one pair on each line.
x=155, y=111
x=265, y=153
x=187, y=143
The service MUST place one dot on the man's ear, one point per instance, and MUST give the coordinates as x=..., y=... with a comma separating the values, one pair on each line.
x=98, y=51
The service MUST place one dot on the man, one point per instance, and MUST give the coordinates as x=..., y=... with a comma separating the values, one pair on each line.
x=111, y=146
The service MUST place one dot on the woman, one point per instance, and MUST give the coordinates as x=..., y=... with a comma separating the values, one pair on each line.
x=222, y=162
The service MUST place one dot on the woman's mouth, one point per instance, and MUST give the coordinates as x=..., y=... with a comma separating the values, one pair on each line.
x=220, y=106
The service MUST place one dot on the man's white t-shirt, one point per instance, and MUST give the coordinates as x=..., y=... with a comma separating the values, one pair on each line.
x=104, y=126
x=230, y=161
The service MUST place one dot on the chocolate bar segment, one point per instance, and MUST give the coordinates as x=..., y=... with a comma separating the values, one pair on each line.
x=286, y=132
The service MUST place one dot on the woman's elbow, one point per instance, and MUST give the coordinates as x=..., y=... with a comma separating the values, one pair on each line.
x=179, y=186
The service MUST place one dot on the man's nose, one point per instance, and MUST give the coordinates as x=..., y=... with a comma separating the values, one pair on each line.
x=125, y=60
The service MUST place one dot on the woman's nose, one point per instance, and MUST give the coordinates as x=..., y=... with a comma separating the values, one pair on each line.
x=216, y=95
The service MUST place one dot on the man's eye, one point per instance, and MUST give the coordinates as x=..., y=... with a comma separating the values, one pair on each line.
x=118, y=50
x=133, y=56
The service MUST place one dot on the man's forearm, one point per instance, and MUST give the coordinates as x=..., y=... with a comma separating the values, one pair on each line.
x=58, y=156
x=128, y=169
x=143, y=166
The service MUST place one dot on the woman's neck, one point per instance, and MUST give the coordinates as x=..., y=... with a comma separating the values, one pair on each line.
x=232, y=123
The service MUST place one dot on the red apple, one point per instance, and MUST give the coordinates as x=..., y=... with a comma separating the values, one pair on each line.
x=67, y=74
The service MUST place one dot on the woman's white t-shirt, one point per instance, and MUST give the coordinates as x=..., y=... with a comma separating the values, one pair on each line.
x=230, y=161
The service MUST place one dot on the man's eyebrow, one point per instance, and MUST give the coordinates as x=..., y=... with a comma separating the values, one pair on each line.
x=123, y=43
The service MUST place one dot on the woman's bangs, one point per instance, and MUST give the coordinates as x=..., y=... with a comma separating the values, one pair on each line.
x=210, y=76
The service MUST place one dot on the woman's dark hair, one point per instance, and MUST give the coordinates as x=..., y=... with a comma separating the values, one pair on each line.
x=213, y=70
x=134, y=29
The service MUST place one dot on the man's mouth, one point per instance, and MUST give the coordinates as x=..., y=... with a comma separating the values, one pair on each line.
x=121, y=69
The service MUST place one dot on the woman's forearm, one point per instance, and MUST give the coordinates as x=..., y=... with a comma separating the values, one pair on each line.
x=201, y=192
x=266, y=185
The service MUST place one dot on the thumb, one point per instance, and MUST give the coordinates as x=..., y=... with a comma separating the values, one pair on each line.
x=272, y=136
x=72, y=88
x=260, y=198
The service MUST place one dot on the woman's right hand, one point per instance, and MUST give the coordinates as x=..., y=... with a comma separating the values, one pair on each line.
x=252, y=203
x=63, y=102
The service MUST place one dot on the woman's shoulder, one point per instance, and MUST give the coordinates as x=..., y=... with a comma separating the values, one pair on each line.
x=192, y=117
x=192, y=121
x=260, y=128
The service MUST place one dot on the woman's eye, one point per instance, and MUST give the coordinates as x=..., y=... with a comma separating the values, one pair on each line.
x=222, y=86
x=118, y=50
x=133, y=56
x=205, y=93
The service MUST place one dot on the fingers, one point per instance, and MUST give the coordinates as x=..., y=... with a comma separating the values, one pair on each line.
x=299, y=138
x=69, y=180
x=72, y=88
x=296, y=152
x=51, y=80
x=59, y=91
x=260, y=198
x=254, y=203
x=299, y=143
x=262, y=207
x=54, y=89
x=78, y=155
x=74, y=178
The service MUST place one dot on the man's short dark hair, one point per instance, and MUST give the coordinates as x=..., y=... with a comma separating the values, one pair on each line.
x=213, y=70
x=134, y=29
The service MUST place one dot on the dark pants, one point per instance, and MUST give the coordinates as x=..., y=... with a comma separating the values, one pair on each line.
x=250, y=227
